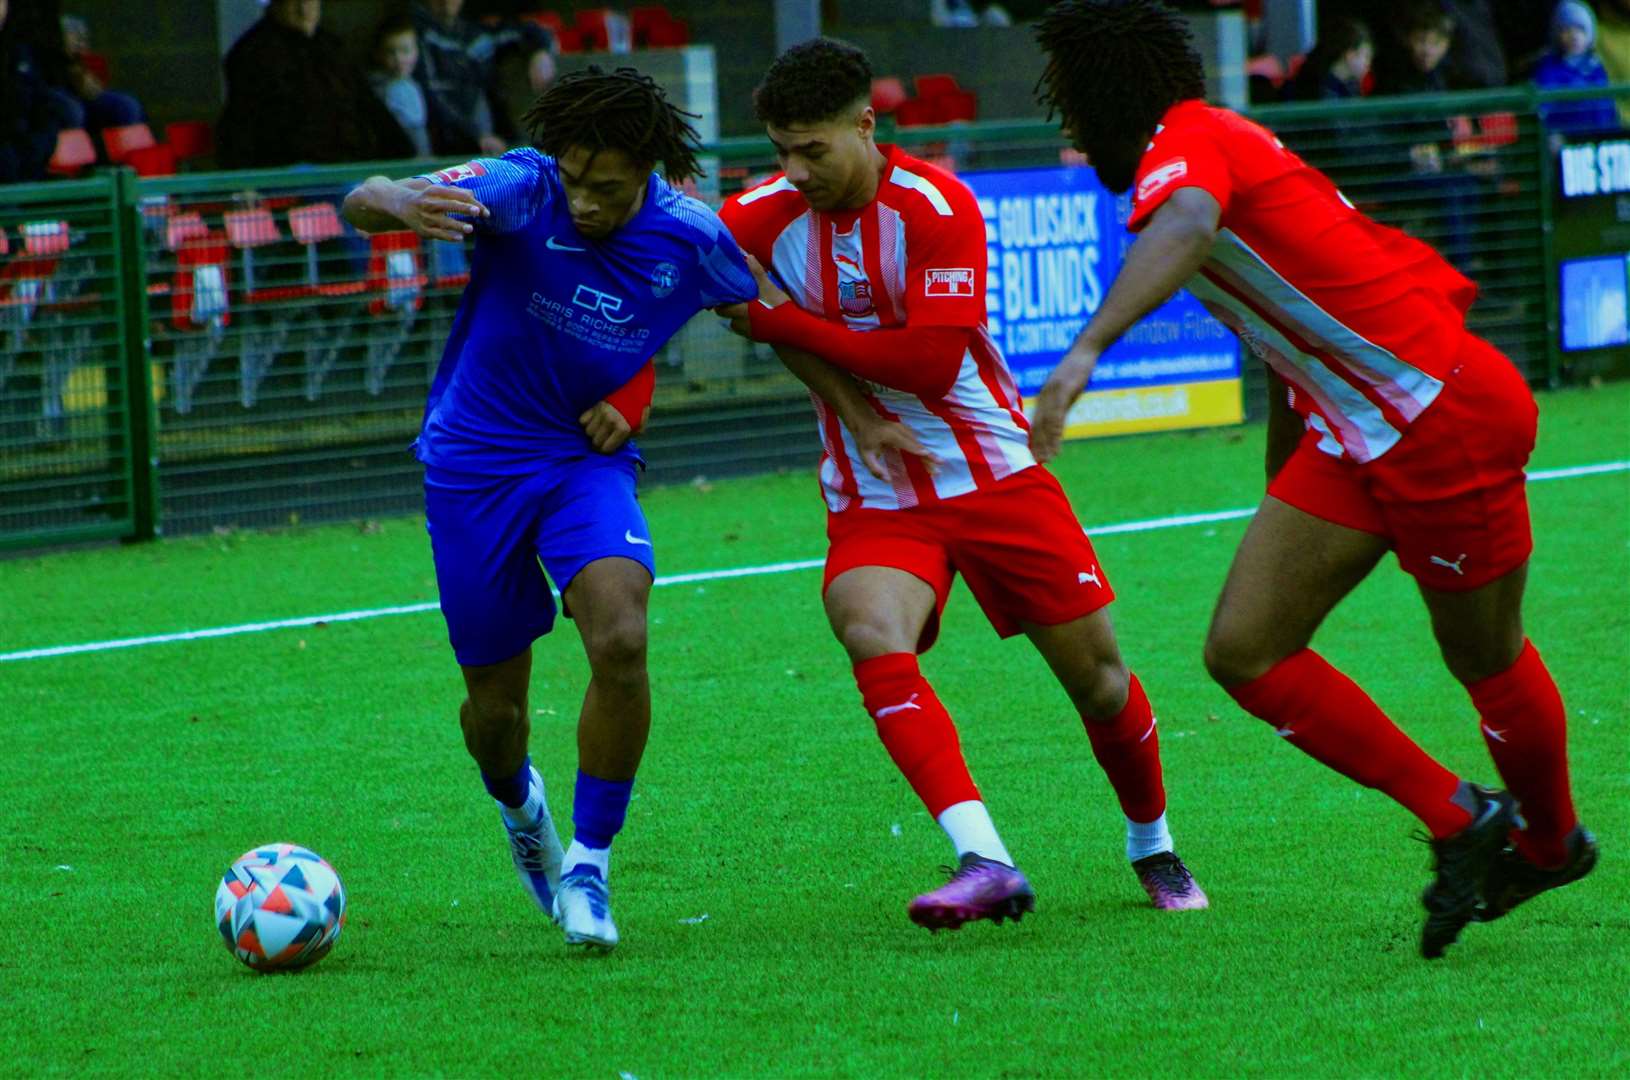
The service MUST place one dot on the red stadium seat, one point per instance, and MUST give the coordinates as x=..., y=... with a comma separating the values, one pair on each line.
x=933, y=86
x=190, y=139
x=887, y=94
x=156, y=160
x=44, y=238
x=183, y=228
x=199, y=293
x=74, y=152
x=915, y=112
x=569, y=40
x=673, y=34
x=121, y=141
x=311, y=225
x=395, y=271
x=605, y=29
x=315, y=223
x=654, y=28
x=251, y=228
x=958, y=107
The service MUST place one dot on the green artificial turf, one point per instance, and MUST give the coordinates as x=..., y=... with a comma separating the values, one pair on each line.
x=762, y=879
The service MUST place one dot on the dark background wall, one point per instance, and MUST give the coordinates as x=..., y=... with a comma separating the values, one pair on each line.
x=168, y=52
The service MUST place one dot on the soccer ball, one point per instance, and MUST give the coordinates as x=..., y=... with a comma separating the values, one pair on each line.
x=280, y=907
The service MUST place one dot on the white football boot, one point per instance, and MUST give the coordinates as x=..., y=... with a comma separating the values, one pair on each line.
x=583, y=909
x=535, y=849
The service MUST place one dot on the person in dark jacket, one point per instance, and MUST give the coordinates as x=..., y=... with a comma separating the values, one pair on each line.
x=293, y=95
x=28, y=123
x=1337, y=65
x=458, y=69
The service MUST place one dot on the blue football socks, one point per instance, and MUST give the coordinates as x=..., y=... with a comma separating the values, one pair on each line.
x=511, y=790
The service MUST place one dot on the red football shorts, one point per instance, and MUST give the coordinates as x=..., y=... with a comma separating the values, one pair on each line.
x=1451, y=495
x=1018, y=545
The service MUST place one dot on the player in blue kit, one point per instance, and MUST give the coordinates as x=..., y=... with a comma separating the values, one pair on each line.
x=585, y=264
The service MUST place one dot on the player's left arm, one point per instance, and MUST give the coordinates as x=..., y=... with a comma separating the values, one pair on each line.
x=624, y=412
x=723, y=277
x=1170, y=251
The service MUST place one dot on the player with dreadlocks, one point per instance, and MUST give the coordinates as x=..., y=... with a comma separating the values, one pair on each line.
x=1391, y=426
x=585, y=264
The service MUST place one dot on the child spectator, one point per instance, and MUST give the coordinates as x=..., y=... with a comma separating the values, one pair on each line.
x=1338, y=64
x=96, y=106
x=1417, y=65
x=396, y=55
x=1571, y=63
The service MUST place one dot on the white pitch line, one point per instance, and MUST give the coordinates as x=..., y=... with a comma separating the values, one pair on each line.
x=1174, y=521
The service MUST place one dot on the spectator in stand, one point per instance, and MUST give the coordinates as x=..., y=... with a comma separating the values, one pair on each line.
x=459, y=72
x=1337, y=65
x=28, y=122
x=1418, y=62
x=293, y=95
x=1613, y=46
x=396, y=55
x=85, y=92
x=1572, y=64
x=1476, y=55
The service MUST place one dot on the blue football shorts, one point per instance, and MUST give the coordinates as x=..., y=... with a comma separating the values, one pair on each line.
x=489, y=534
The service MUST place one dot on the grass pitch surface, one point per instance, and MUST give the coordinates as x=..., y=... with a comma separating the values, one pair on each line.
x=771, y=848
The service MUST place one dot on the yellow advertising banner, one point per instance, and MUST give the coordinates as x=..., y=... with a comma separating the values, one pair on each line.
x=1172, y=407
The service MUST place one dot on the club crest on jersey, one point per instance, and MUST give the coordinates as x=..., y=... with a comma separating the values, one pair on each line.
x=664, y=279
x=855, y=297
x=1159, y=178
x=957, y=282
x=467, y=171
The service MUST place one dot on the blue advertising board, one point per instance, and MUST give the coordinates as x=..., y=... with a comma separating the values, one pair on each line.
x=1056, y=239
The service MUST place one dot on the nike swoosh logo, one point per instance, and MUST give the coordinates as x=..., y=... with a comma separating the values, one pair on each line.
x=553, y=246
x=628, y=534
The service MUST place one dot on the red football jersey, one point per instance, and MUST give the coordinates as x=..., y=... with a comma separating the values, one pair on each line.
x=1363, y=322
x=914, y=256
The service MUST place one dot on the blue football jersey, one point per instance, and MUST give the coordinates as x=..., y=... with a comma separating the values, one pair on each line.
x=551, y=321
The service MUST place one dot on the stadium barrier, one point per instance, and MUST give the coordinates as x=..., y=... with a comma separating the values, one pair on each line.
x=220, y=349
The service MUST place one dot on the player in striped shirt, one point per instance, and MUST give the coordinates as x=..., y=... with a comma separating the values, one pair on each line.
x=884, y=259
x=1391, y=426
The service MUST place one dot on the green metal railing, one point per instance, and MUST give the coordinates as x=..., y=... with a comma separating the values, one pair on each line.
x=208, y=350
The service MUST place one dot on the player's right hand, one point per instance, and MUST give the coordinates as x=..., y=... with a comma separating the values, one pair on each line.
x=875, y=438
x=430, y=211
x=1053, y=403
x=606, y=428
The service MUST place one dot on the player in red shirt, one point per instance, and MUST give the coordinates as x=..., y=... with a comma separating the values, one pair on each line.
x=1391, y=426
x=927, y=469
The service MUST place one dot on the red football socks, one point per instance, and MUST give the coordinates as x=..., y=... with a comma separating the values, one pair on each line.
x=1325, y=715
x=1128, y=748
x=916, y=730
x=1525, y=727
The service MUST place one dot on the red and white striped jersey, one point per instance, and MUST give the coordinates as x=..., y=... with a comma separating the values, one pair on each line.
x=1363, y=322
x=914, y=256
